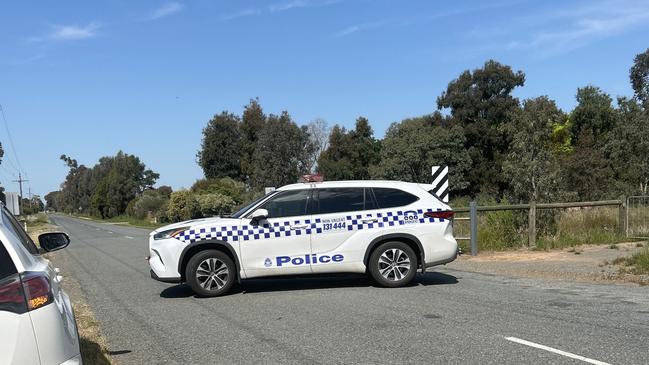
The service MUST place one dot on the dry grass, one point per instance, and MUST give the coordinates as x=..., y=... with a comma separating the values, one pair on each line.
x=94, y=349
x=637, y=264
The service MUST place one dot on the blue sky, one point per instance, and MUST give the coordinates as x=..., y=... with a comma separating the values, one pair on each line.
x=87, y=79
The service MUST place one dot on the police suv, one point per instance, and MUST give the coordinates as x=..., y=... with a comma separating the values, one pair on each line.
x=389, y=229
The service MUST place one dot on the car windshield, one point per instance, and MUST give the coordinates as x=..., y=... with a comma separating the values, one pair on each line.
x=245, y=208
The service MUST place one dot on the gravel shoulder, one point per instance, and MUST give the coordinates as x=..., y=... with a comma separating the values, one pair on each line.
x=587, y=263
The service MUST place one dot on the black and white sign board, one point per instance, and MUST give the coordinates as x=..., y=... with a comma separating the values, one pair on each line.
x=440, y=182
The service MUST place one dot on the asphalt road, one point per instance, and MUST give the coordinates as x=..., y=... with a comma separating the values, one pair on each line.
x=447, y=316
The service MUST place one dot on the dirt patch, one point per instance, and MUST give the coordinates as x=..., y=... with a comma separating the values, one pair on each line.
x=581, y=263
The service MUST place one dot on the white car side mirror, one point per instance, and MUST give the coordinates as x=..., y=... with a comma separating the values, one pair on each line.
x=259, y=214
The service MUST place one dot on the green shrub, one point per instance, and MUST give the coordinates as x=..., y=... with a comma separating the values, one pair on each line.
x=161, y=215
x=183, y=205
x=499, y=230
x=225, y=186
x=215, y=204
x=637, y=264
x=150, y=202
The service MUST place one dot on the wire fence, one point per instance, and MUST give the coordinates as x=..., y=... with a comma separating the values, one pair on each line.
x=637, y=223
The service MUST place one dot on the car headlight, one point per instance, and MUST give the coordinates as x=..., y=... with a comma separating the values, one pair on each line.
x=169, y=233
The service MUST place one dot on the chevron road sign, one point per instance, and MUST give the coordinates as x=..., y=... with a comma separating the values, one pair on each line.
x=440, y=182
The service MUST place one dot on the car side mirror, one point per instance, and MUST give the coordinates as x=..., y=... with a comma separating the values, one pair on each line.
x=53, y=241
x=259, y=214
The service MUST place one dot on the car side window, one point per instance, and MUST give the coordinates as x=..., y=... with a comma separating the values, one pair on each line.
x=288, y=204
x=7, y=266
x=14, y=226
x=338, y=200
x=390, y=198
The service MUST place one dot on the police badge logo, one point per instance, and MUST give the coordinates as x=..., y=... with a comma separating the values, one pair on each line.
x=268, y=263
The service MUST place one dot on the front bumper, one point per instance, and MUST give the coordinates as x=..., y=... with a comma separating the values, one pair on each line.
x=164, y=280
x=163, y=259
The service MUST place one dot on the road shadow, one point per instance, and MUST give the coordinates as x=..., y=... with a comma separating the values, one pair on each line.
x=278, y=284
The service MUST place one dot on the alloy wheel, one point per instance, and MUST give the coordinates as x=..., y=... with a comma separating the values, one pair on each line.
x=212, y=274
x=394, y=264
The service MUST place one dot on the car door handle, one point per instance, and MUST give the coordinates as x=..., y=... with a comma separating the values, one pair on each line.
x=370, y=220
x=304, y=226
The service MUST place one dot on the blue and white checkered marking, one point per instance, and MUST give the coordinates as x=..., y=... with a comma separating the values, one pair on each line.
x=283, y=229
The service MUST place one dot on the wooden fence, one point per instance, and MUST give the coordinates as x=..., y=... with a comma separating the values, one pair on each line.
x=532, y=207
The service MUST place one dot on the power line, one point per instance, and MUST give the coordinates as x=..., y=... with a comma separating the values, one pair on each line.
x=11, y=141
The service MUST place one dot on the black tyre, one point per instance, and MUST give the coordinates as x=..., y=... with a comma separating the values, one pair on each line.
x=210, y=273
x=393, y=264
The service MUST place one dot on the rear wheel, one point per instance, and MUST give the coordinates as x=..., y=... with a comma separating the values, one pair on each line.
x=393, y=264
x=210, y=273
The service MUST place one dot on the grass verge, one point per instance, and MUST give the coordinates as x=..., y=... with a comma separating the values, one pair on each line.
x=637, y=264
x=125, y=220
x=92, y=344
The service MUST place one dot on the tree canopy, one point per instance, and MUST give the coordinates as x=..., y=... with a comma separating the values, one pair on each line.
x=410, y=148
x=639, y=75
x=481, y=101
x=105, y=189
x=220, y=153
x=492, y=143
x=350, y=155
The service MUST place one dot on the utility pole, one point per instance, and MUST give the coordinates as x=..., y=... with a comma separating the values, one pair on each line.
x=20, y=182
x=30, y=197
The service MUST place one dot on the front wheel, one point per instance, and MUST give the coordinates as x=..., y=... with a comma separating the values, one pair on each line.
x=393, y=264
x=210, y=273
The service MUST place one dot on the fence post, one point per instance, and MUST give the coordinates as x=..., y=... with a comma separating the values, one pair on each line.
x=473, y=215
x=531, y=224
x=622, y=216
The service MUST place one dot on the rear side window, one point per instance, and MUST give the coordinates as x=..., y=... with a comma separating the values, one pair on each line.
x=390, y=198
x=14, y=226
x=7, y=267
x=338, y=200
x=288, y=204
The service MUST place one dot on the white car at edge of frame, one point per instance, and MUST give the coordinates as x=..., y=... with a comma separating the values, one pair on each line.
x=387, y=229
x=36, y=316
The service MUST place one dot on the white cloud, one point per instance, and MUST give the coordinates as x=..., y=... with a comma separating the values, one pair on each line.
x=240, y=14
x=421, y=18
x=71, y=32
x=294, y=4
x=572, y=28
x=358, y=27
x=165, y=10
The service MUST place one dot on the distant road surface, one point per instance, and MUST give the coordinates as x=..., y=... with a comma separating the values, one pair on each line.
x=448, y=316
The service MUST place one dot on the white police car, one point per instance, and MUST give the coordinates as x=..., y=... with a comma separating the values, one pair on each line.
x=389, y=229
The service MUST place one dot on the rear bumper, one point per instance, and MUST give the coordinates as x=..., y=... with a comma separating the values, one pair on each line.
x=74, y=361
x=164, y=280
x=441, y=262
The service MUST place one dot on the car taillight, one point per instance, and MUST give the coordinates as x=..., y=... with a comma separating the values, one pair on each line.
x=11, y=295
x=441, y=214
x=38, y=291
